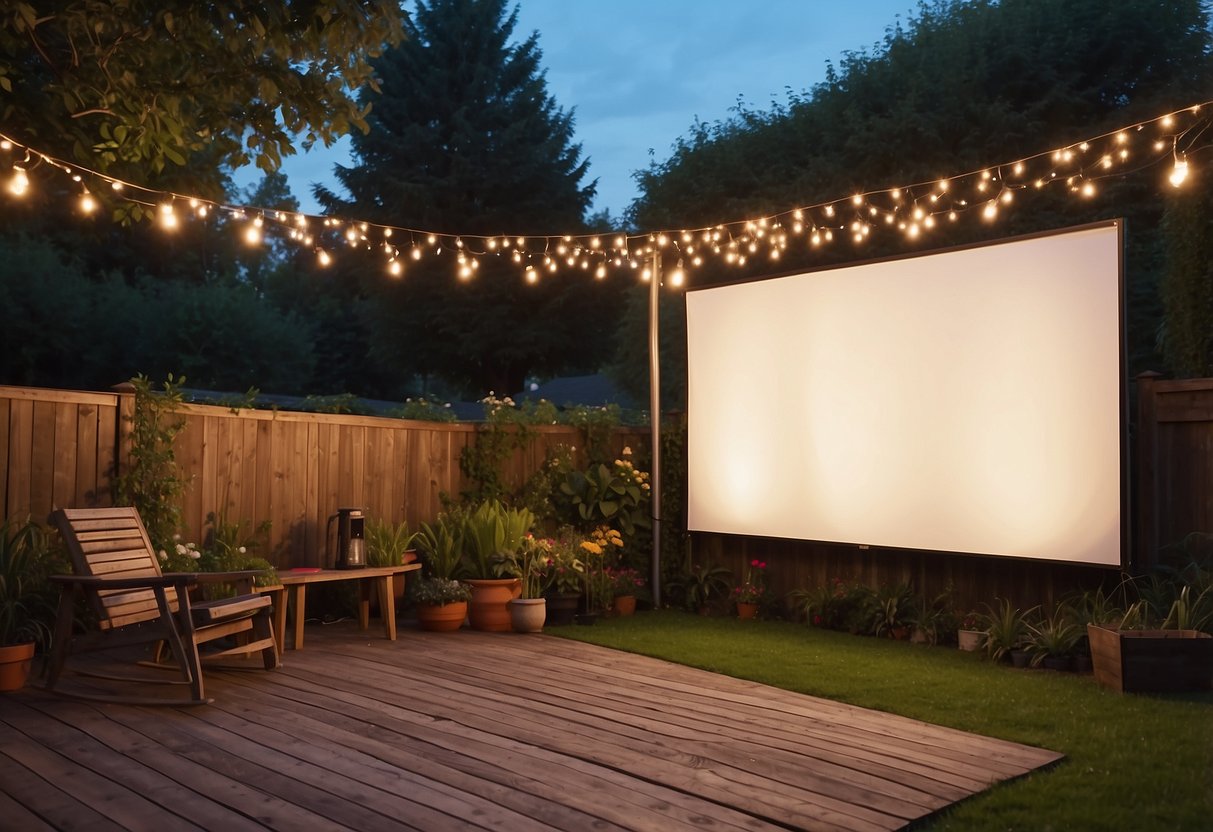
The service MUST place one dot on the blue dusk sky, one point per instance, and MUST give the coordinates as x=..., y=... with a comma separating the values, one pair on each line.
x=637, y=73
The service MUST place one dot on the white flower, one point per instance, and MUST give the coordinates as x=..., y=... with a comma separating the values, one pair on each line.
x=242, y=550
x=176, y=537
x=448, y=404
x=627, y=451
x=181, y=549
x=195, y=554
x=163, y=555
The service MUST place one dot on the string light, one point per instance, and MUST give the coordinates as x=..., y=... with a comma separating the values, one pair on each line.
x=19, y=184
x=1179, y=173
x=912, y=209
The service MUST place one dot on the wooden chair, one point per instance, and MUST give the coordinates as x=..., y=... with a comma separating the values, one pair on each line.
x=119, y=574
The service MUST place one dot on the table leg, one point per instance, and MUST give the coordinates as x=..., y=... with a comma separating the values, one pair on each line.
x=364, y=603
x=298, y=604
x=387, y=606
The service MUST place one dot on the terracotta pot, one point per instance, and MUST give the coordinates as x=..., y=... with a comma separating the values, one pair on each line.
x=15, y=663
x=746, y=611
x=624, y=605
x=442, y=618
x=527, y=614
x=488, y=610
x=969, y=640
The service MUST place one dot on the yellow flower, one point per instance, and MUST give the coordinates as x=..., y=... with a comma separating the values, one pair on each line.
x=591, y=547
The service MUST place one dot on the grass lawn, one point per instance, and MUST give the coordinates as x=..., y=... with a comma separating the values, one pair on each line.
x=1132, y=761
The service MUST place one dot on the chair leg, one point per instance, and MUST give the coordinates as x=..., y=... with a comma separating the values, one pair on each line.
x=64, y=617
x=263, y=629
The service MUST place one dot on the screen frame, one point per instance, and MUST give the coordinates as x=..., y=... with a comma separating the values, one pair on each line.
x=1125, y=502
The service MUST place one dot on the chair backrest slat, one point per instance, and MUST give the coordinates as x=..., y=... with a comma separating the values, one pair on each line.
x=112, y=543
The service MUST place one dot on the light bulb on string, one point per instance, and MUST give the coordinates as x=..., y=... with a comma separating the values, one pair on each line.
x=532, y=276
x=324, y=258
x=395, y=268
x=678, y=276
x=87, y=203
x=19, y=184
x=168, y=217
x=1179, y=173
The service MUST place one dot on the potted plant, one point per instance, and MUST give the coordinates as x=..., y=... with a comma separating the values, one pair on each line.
x=26, y=604
x=390, y=544
x=567, y=571
x=529, y=563
x=625, y=583
x=442, y=603
x=892, y=608
x=701, y=585
x=597, y=582
x=1139, y=656
x=1052, y=641
x=491, y=533
x=1006, y=629
x=748, y=594
x=931, y=618
x=969, y=634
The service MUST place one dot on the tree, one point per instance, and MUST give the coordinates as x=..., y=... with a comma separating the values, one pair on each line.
x=132, y=86
x=465, y=136
x=962, y=84
x=1187, y=284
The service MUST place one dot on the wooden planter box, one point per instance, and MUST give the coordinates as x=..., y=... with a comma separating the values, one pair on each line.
x=1151, y=661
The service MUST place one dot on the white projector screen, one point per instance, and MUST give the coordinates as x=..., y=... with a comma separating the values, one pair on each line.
x=968, y=401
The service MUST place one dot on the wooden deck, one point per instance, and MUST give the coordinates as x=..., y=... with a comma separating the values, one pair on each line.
x=494, y=731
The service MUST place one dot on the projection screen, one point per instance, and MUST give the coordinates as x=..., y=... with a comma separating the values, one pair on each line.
x=968, y=401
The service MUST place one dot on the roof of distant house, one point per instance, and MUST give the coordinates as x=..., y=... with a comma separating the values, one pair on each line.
x=595, y=391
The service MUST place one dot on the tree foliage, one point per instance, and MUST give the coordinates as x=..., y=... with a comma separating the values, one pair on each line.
x=959, y=85
x=1187, y=284
x=138, y=84
x=465, y=137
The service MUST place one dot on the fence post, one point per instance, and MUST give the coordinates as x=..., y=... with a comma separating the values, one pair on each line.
x=122, y=433
x=1145, y=459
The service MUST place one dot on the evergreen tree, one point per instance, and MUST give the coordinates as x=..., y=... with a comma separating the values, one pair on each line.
x=962, y=84
x=464, y=135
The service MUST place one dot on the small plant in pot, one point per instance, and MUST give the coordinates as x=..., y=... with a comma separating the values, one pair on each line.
x=1006, y=630
x=1053, y=640
x=441, y=603
x=596, y=550
x=26, y=599
x=701, y=586
x=440, y=600
x=530, y=564
x=892, y=611
x=567, y=572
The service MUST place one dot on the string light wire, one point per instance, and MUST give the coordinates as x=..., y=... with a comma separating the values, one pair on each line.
x=912, y=210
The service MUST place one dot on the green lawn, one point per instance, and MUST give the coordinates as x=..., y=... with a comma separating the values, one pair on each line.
x=1132, y=762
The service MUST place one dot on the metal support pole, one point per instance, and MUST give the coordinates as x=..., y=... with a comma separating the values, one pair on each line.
x=655, y=419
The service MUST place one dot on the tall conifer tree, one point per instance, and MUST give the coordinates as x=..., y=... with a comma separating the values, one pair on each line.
x=465, y=138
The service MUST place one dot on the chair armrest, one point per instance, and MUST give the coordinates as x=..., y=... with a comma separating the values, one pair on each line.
x=227, y=577
x=172, y=579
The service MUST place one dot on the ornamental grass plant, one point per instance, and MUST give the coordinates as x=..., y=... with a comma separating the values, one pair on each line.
x=1132, y=762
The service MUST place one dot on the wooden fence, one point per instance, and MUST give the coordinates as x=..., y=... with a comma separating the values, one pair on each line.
x=1174, y=463
x=59, y=449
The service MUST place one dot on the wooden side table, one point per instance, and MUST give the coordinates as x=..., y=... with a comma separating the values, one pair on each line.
x=369, y=578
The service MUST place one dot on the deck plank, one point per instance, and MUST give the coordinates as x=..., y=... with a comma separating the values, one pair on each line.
x=485, y=731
